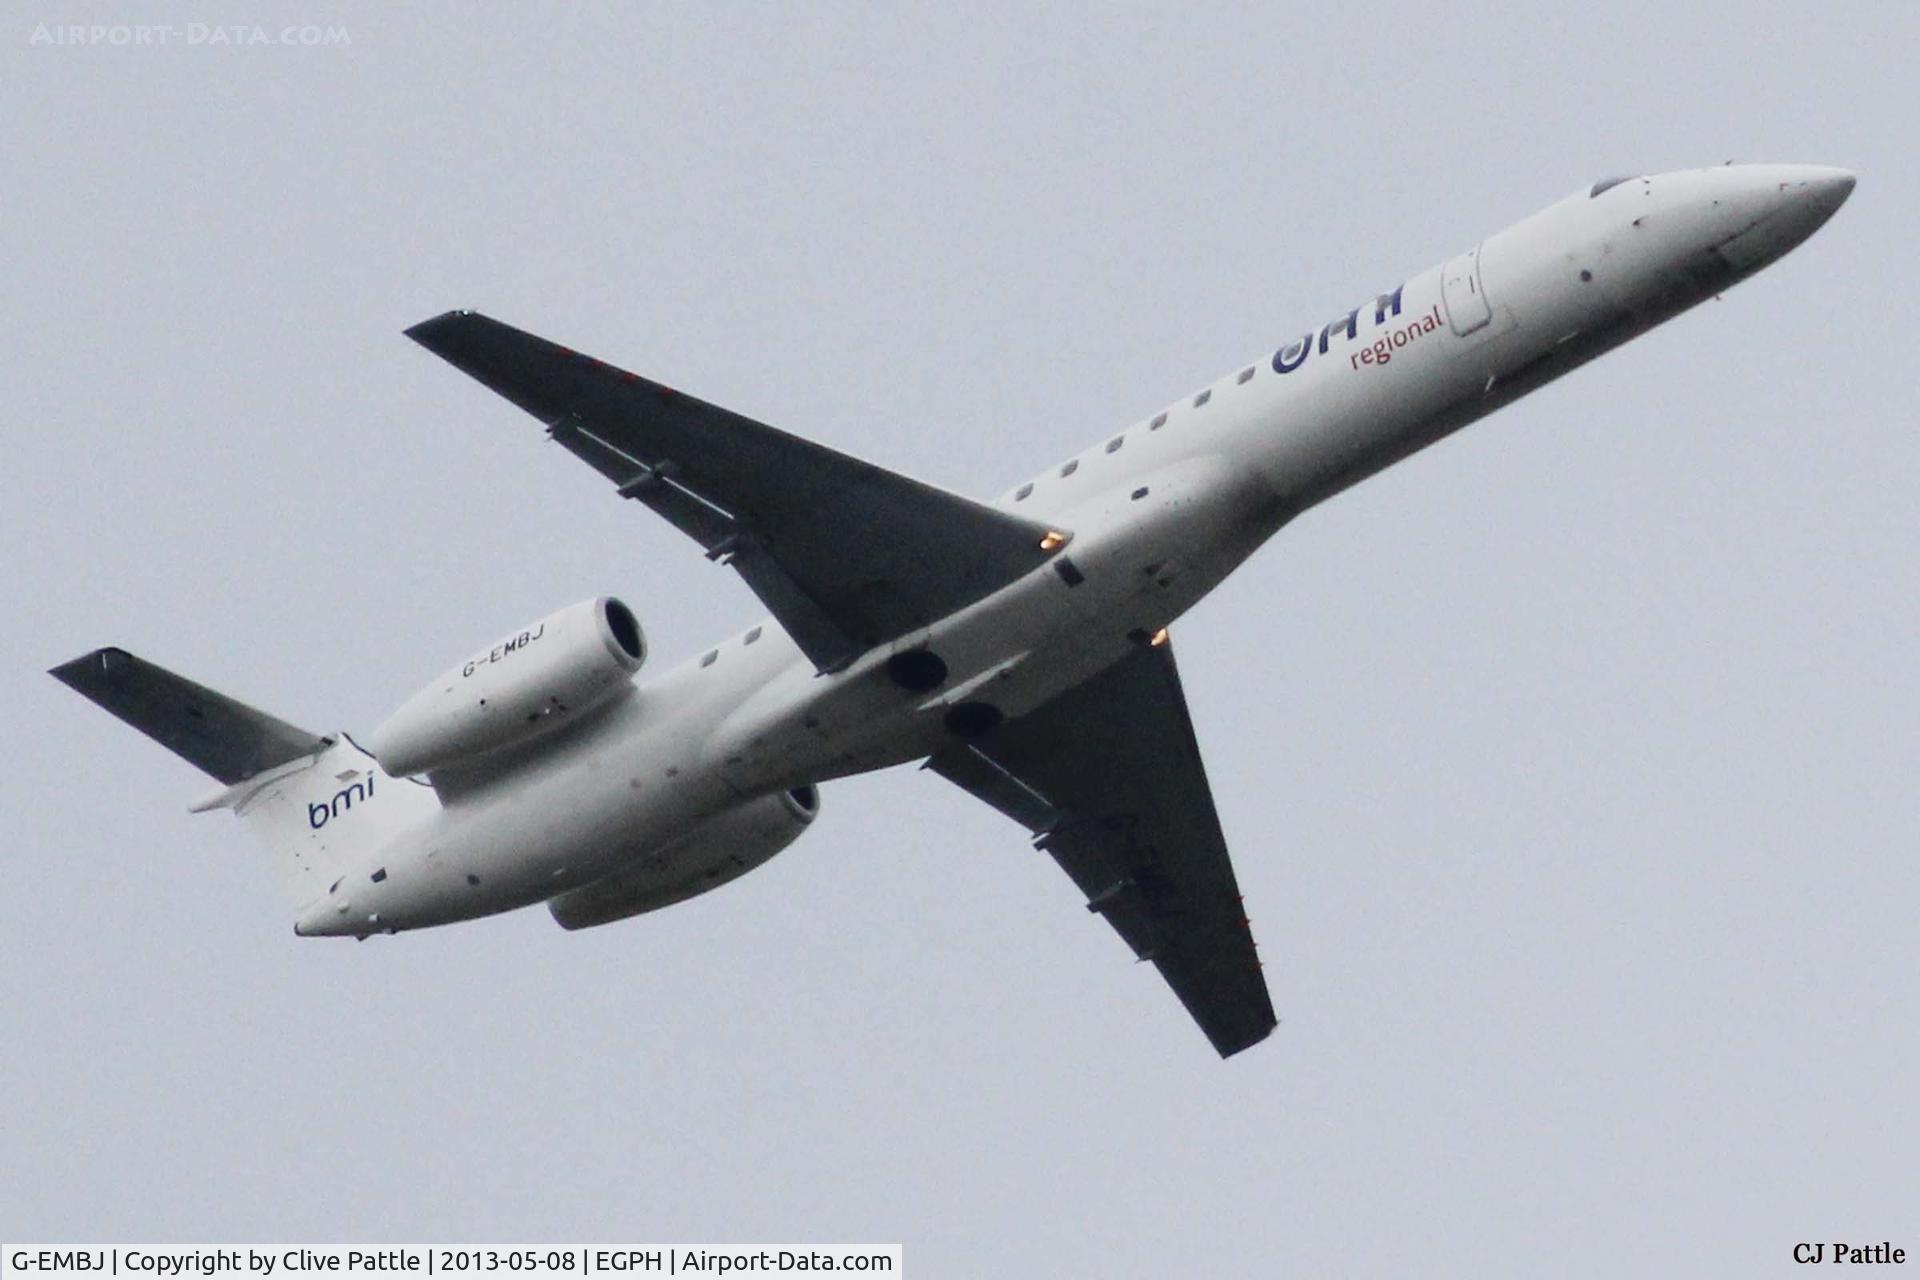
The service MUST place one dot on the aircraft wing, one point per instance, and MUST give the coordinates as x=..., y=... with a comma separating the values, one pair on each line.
x=1108, y=778
x=845, y=554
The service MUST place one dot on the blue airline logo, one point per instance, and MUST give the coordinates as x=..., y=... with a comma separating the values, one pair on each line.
x=1294, y=354
x=318, y=815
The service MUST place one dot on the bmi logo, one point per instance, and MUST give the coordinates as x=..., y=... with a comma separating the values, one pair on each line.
x=318, y=815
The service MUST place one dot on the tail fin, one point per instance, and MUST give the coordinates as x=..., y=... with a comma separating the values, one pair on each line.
x=291, y=787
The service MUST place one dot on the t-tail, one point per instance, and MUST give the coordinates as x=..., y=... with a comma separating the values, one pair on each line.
x=319, y=804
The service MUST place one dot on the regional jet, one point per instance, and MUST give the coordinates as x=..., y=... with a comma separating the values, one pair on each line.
x=1018, y=647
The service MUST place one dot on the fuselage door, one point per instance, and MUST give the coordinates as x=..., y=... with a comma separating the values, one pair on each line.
x=1467, y=308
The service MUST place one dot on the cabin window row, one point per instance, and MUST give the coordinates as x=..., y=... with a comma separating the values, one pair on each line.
x=712, y=656
x=1158, y=421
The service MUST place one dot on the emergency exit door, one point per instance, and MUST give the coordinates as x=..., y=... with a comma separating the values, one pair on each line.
x=1466, y=302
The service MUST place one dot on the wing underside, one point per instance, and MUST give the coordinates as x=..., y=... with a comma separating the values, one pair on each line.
x=1108, y=778
x=845, y=554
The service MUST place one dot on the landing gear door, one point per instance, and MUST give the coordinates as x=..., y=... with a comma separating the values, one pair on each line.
x=1467, y=309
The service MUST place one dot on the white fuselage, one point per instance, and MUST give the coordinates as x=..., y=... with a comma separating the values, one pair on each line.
x=1157, y=515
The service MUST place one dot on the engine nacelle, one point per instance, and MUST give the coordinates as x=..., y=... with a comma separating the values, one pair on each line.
x=725, y=849
x=529, y=684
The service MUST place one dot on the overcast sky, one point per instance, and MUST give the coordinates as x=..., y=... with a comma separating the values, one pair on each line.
x=1568, y=767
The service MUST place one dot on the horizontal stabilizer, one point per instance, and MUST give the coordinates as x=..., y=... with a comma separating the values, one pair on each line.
x=209, y=730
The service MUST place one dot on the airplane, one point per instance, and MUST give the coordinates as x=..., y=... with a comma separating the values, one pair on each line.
x=1019, y=648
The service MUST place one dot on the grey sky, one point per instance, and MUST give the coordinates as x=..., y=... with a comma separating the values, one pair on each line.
x=1568, y=767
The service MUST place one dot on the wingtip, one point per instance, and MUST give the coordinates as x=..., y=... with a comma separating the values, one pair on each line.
x=1228, y=1047
x=424, y=332
x=68, y=672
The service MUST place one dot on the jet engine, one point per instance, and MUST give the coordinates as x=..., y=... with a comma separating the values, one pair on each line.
x=530, y=683
x=724, y=849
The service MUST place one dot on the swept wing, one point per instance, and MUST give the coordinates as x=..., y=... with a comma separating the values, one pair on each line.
x=1108, y=778
x=845, y=554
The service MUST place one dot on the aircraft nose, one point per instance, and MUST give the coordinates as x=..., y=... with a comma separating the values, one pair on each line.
x=1791, y=203
x=1816, y=190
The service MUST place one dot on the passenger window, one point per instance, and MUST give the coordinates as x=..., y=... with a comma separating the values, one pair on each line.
x=1070, y=468
x=1024, y=492
x=1203, y=397
x=1159, y=421
x=1113, y=445
x=706, y=659
x=1246, y=374
x=752, y=636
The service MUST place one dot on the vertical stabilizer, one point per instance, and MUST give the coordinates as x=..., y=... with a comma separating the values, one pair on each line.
x=327, y=814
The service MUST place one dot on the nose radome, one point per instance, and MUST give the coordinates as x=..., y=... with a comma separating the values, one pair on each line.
x=1787, y=203
x=1813, y=191
x=1827, y=189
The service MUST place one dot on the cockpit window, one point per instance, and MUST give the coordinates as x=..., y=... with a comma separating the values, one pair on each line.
x=1608, y=184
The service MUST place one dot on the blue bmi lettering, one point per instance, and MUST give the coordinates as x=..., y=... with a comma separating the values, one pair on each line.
x=318, y=815
x=1294, y=354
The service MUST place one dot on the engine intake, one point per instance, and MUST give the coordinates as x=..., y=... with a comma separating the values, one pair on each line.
x=527, y=685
